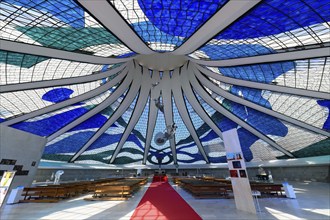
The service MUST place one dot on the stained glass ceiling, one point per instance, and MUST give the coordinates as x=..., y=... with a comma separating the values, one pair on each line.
x=149, y=82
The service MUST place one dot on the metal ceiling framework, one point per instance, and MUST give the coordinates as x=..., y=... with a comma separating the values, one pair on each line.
x=177, y=84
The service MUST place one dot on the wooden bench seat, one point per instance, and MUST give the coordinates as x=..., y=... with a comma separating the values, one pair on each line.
x=54, y=193
x=44, y=194
x=117, y=189
x=206, y=189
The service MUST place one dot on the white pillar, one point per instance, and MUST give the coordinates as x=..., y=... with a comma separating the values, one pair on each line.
x=237, y=169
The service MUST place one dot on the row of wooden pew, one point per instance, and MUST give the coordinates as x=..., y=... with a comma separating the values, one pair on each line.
x=200, y=188
x=111, y=188
x=221, y=188
x=117, y=190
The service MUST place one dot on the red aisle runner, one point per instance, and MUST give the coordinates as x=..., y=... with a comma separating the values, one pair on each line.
x=162, y=202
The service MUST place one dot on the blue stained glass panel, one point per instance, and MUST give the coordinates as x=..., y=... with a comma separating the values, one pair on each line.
x=71, y=144
x=246, y=138
x=228, y=51
x=103, y=147
x=187, y=151
x=65, y=10
x=142, y=124
x=208, y=138
x=277, y=16
x=264, y=123
x=197, y=121
x=50, y=125
x=270, y=27
x=179, y=18
x=57, y=95
x=297, y=107
x=264, y=73
x=165, y=25
x=326, y=104
x=106, y=139
x=143, y=29
x=253, y=95
x=96, y=121
x=71, y=141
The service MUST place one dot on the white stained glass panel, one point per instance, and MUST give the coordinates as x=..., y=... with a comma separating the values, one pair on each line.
x=298, y=138
x=16, y=103
x=21, y=68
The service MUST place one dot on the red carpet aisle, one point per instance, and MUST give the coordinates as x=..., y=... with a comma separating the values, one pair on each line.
x=162, y=202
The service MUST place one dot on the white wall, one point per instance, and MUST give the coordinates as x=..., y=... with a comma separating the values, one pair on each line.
x=23, y=147
x=312, y=169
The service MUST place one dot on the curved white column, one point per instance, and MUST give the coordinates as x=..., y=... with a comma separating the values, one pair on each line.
x=108, y=101
x=180, y=104
x=264, y=86
x=194, y=102
x=200, y=90
x=257, y=107
x=146, y=85
x=60, y=82
x=131, y=94
x=71, y=101
x=166, y=86
x=153, y=112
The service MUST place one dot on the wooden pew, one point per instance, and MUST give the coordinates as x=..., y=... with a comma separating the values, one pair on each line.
x=44, y=194
x=54, y=193
x=117, y=190
x=206, y=189
x=224, y=181
x=201, y=188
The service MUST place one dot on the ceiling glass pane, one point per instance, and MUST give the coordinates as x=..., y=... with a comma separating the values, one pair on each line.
x=310, y=74
x=212, y=143
x=64, y=147
x=102, y=149
x=308, y=110
x=272, y=26
x=22, y=102
x=299, y=139
x=187, y=151
x=47, y=124
x=246, y=138
x=262, y=151
x=132, y=150
x=165, y=25
x=266, y=124
x=159, y=151
x=21, y=68
x=59, y=24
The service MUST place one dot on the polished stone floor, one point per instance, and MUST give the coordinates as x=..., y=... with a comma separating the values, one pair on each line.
x=312, y=203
